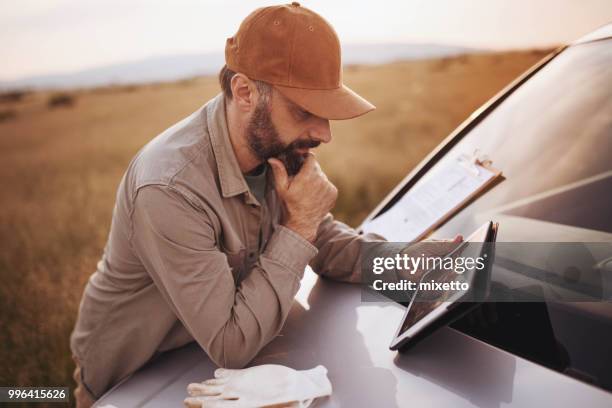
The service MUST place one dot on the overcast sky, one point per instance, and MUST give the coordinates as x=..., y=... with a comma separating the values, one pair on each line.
x=52, y=36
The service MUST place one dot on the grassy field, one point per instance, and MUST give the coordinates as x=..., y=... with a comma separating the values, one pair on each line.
x=61, y=164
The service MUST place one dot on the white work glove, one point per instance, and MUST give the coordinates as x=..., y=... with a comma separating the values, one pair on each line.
x=260, y=386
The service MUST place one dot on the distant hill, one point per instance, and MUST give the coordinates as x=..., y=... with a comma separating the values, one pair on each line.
x=169, y=68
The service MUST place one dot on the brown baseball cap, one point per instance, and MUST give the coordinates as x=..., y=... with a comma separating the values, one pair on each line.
x=298, y=52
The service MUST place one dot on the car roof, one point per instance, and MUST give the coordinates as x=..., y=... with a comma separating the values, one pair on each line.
x=601, y=33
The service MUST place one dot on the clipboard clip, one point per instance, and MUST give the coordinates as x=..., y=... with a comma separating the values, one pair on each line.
x=474, y=161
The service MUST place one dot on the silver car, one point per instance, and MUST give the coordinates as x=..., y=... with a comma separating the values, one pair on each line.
x=550, y=131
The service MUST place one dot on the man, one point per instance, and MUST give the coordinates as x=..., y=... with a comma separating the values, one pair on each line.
x=216, y=218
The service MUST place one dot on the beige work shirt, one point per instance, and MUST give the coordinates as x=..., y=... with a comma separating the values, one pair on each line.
x=184, y=260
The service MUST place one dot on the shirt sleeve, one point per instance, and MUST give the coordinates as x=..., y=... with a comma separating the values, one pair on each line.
x=339, y=249
x=176, y=242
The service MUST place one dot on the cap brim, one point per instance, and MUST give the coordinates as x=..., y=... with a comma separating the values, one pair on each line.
x=334, y=104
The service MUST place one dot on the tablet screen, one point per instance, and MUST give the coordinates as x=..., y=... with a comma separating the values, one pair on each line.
x=427, y=305
x=425, y=302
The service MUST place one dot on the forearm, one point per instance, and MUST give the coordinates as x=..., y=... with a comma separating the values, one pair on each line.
x=340, y=247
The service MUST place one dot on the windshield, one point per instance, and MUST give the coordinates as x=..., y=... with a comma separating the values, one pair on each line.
x=552, y=139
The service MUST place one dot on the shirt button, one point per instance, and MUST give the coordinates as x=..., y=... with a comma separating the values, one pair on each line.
x=251, y=255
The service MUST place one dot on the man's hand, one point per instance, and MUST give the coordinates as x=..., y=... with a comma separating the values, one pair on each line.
x=307, y=197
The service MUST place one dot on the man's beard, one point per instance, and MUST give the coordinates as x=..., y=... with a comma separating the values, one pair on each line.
x=265, y=141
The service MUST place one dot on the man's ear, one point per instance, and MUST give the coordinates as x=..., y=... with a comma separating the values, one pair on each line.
x=244, y=92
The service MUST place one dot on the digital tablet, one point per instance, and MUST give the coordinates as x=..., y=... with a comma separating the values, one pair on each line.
x=429, y=310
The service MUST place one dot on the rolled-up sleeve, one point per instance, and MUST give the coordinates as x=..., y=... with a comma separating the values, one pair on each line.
x=175, y=240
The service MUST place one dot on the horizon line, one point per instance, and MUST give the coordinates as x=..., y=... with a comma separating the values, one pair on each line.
x=7, y=81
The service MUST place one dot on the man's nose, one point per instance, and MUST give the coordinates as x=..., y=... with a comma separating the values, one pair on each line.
x=321, y=131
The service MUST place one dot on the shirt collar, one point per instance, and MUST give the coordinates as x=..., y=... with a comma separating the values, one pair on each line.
x=231, y=178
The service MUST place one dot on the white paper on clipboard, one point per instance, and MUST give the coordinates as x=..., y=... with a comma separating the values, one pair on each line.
x=432, y=199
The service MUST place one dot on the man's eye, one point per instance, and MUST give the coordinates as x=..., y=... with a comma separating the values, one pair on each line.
x=304, y=114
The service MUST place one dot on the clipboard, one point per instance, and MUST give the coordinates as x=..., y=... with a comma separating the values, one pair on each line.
x=436, y=198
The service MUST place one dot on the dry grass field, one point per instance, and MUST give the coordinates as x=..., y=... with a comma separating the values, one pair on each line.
x=61, y=163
